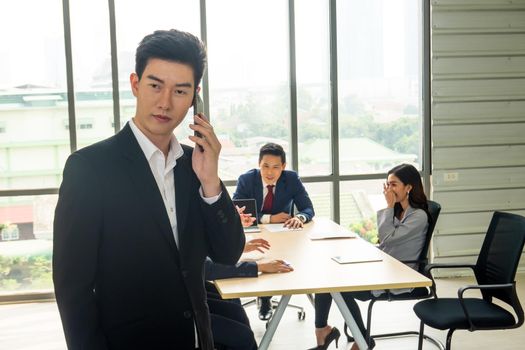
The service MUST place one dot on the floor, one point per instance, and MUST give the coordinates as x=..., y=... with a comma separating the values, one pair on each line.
x=36, y=326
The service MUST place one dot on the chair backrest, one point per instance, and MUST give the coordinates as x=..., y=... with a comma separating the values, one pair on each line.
x=434, y=208
x=500, y=253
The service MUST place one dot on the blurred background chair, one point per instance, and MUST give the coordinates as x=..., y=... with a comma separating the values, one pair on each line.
x=301, y=314
x=495, y=272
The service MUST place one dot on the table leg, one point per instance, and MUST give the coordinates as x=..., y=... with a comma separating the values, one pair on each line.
x=274, y=322
x=349, y=319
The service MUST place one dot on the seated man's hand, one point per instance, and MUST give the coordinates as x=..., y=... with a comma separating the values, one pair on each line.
x=256, y=244
x=246, y=219
x=281, y=217
x=274, y=266
x=294, y=222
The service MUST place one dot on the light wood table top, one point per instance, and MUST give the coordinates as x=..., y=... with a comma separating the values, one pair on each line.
x=314, y=269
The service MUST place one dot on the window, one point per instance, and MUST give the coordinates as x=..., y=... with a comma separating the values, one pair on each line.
x=247, y=90
x=248, y=79
x=9, y=232
x=33, y=95
x=313, y=87
x=82, y=124
x=92, y=69
x=359, y=201
x=26, y=244
x=321, y=195
x=379, y=85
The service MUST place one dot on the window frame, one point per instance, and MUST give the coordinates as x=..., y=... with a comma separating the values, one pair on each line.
x=335, y=178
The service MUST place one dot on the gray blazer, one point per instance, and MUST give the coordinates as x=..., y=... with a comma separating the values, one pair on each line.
x=403, y=239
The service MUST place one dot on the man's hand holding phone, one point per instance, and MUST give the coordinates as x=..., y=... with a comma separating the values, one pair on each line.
x=206, y=162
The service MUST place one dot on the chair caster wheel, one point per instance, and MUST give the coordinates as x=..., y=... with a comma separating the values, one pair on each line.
x=301, y=315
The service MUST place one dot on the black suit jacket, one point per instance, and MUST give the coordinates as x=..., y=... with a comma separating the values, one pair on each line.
x=120, y=280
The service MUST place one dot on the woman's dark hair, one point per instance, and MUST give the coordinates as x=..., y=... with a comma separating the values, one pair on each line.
x=172, y=45
x=274, y=150
x=409, y=175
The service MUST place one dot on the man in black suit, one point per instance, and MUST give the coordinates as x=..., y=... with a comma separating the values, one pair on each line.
x=138, y=213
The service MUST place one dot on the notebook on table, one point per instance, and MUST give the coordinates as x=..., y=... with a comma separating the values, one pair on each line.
x=323, y=228
x=251, y=208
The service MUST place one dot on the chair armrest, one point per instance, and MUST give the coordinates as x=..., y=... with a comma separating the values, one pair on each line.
x=447, y=266
x=463, y=289
x=430, y=267
x=418, y=261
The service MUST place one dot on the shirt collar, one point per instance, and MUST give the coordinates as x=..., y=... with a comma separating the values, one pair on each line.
x=174, y=153
x=265, y=184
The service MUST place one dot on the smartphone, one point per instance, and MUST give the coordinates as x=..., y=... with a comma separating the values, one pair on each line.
x=196, y=101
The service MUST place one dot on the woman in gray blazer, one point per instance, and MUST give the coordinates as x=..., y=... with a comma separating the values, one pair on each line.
x=402, y=227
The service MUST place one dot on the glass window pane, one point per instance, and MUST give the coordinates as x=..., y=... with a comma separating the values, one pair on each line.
x=379, y=75
x=135, y=20
x=313, y=87
x=359, y=201
x=91, y=70
x=33, y=97
x=321, y=195
x=249, y=79
x=26, y=243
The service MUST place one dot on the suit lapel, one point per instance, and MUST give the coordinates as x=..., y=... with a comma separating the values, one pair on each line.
x=280, y=190
x=146, y=186
x=183, y=186
x=258, y=190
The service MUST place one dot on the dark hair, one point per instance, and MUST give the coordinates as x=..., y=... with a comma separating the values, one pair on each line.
x=172, y=45
x=273, y=149
x=409, y=175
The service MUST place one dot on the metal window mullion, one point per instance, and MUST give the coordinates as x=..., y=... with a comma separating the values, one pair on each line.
x=29, y=192
x=335, y=111
x=294, y=147
x=114, y=65
x=69, y=76
x=426, y=96
x=205, y=80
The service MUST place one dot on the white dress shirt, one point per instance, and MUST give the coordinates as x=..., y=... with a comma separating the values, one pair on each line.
x=162, y=169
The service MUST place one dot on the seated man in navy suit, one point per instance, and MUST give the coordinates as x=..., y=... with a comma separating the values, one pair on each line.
x=276, y=191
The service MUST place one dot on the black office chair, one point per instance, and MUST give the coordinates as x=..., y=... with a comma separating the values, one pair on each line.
x=495, y=270
x=416, y=294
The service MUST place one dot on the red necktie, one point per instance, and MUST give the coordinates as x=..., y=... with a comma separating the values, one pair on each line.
x=268, y=200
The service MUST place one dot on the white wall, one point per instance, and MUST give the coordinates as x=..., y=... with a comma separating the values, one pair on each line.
x=478, y=119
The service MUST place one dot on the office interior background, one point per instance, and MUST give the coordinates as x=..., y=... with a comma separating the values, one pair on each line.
x=350, y=88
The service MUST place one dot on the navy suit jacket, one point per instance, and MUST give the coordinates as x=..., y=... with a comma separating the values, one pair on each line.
x=215, y=271
x=289, y=190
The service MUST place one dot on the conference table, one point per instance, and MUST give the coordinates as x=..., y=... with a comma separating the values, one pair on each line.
x=315, y=271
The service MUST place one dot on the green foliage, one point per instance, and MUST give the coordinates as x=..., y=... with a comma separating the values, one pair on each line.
x=263, y=115
x=367, y=229
x=9, y=284
x=400, y=135
x=23, y=272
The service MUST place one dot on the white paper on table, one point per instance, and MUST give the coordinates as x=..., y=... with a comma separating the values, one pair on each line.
x=279, y=228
